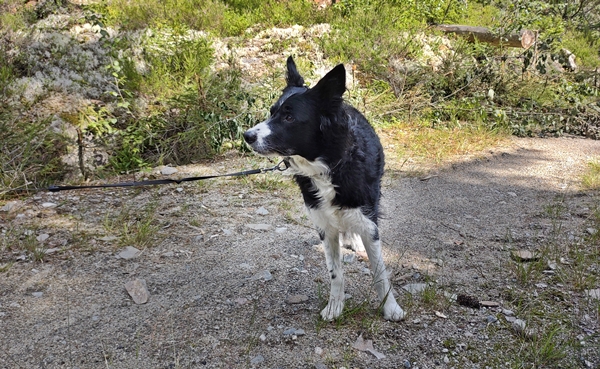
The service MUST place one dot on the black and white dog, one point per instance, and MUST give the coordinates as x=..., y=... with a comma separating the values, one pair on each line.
x=337, y=160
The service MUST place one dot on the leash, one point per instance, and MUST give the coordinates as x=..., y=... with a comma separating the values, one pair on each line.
x=283, y=165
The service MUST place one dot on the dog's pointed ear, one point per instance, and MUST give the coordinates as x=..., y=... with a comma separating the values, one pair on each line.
x=293, y=78
x=333, y=85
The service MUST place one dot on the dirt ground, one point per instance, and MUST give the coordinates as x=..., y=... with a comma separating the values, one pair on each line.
x=227, y=279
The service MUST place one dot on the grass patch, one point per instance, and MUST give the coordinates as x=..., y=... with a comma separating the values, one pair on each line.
x=591, y=179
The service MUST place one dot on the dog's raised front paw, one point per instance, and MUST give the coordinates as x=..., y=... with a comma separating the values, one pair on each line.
x=393, y=311
x=333, y=309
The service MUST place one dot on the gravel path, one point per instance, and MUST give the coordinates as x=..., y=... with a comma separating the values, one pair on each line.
x=236, y=276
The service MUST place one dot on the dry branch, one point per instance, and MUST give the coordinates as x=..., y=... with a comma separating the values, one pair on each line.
x=524, y=39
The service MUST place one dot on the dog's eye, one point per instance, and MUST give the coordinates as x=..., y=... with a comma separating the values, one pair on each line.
x=288, y=118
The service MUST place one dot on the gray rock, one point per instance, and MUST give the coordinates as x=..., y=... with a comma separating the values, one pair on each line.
x=10, y=206
x=280, y=229
x=519, y=325
x=406, y=364
x=489, y=303
x=595, y=293
x=259, y=227
x=108, y=238
x=296, y=299
x=349, y=258
x=592, y=231
x=49, y=205
x=265, y=275
x=43, y=237
x=167, y=171
x=414, y=288
x=51, y=251
x=320, y=365
x=491, y=319
x=138, y=291
x=294, y=332
x=168, y=254
x=129, y=252
x=257, y=360
x=262, y=211
x=38, y=294
x=507, y=312
x=263, y=337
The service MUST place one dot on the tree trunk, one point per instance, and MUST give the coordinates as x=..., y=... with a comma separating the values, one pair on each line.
x=524, y=39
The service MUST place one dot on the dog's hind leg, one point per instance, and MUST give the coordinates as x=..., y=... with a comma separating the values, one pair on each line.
x=333, y=258
x=369, y=233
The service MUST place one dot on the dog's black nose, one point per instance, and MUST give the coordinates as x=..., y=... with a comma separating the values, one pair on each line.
x=250, y=137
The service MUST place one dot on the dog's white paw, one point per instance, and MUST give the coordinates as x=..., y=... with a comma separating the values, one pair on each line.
x=333, y=309
x=393, y=311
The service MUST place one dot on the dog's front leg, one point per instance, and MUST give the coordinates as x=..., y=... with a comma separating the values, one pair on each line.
x=333, y=258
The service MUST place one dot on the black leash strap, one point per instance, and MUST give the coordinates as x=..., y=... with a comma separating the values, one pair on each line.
x=283, y=165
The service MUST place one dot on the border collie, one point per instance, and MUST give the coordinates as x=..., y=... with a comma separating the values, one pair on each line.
x=337, y=160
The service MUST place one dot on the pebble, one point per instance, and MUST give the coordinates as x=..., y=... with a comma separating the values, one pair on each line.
x=108, y=238
x=138, y=291
x=349, y=258
x=257, y=360
x=294, y=332
x=263, y=337
x=38, y=294
x=595, y=293
x=167, y=171
x=51, y=251
x=48, y=205
x=519, y=325
x=592, y=231
x=280, y=229
x=446, y=359
x=168, y=254
x=265, y=275
x=318, y=351
x=511, y=194
x=491, y=319
x=524, y=255
x=43, y=237
x=262, y=211
x=414, y=288
x=129, y=252
x=406, y=364
x=296, y=299
x=259, y=227
x=320, y=365
x=507, y=312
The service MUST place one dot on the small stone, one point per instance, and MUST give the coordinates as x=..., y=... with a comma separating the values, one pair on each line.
x=43, y=237
x=262, y=211
x=259, y=227
x=10, y=206
x=349, y=258
x=257, y=360
x=441, y=315
x=446, y=359
x=519, y=325
x=511, y=194
x=489, y=303
x=296, y=299
x=49, y=205
x=167, y=171
x=138, y=291
x=179, y=189
x=38, y=294
x=129, y=252
x=265, y=275
x=289, y=331
x=318, y=351
x=414, y=288
x=263, y=337
x=524, y=255
x=300, y=332
x=280, y=229
x=541, y=285
x=406, y=364
x=552, y=265
x=507, y=312
x=241, y=300
x=168, y=254
x=592, y=231
x=595, y=293
x=491, y=319
x=51, y=251
x=320, y=365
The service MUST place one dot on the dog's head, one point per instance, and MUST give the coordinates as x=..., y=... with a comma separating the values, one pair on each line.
x=301, y=117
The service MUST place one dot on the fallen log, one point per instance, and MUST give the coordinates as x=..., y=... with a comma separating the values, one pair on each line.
x=524, y=39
